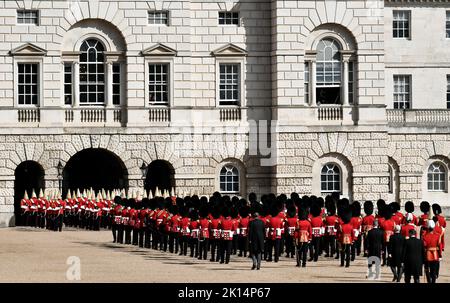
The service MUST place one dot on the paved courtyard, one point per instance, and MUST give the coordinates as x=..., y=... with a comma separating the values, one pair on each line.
x=31, y=255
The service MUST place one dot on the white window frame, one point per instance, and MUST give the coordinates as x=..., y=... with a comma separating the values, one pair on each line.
x=241, y=94
x=307, y=82
x=402, y=93
x=433, y=182
x=229, y=167
x=408, y=14
x=448, y=92
x=31, y=60
x=158, y=12
x=241, y=172
x=231, y=18
x=159, y=60
x=121, y=83
x=327, y=181
x=38, y=17
x=447, y=24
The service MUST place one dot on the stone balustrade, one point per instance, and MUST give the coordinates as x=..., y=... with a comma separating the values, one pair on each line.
x=159, y=114
x=230, y=114
x=422, y=117
x=31, y=115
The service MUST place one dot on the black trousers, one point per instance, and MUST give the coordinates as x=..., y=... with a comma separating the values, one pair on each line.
x=243, y=246
x=215, y=248
x=431, y=271
x=128, y=230
x=314, y=249
x=290, y=249
x=203, y=252
x=173, y=242
x=141, y=237
x=164, y=237
x=225, y=251
x=274, y=245
x=147, y=237
x=114, y=232
x=155, y=238
x=193, y=245
x=120, y=232
x=330, y=245
x=345, y=254
x=384, y=253
x=256, y=258
x=235, y=244
x=356, y=248
x=135, y=236
x=184, y=240
x=302, y=251
x=397, y=271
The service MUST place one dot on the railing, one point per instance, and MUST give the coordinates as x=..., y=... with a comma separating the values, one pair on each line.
x=29, y=115
x=159, y=115
x=117, y=115
x=230, y=114
x=68, y=116
x=424, y=117
x=329, y=113
x=93, y=115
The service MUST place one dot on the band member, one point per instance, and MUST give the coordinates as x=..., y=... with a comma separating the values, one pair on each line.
x=24, y=210
x=331, y=224
x=409, y=208
x=291, y=224
x=214, y=235
x=194, y=226
x=317, y=232
x=126, y=222
x=408, y=225
x=185, y=231
x=433, y=252
x=226, y=237
x=117, y=228
x=423, y=219
x=388, y=226
x=275, y=225
x=174, y=235
x=356, y=221
x=235, y=218
x=243, y=231
x=367, y=223
x=303, y=236
x=205, y=225
x=346, y=235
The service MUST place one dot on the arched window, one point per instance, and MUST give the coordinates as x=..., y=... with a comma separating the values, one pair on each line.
x=328, y=72
x=330, y=178
x=92, y=73
x=437, y=177
x=229, y=179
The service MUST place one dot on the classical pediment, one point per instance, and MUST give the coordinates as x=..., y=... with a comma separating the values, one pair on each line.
x=229, y=50
x=159, y=50
x=28, y=49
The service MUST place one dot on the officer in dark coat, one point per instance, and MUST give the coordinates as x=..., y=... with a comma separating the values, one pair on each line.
x=396, y=246
x=375, y=238
x=413, y=257
x=256, y=232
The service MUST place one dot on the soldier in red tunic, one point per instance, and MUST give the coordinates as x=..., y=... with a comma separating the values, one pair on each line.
x=303, y=236
x=126, y=222
x=174, y=222
x=228, y=230
x=204, y=226
x=433, y=252
x=356, y=221
x=346, y=236
x=275, y=225
x=409, y=225
x=423, y=219
x=397, y=216
x=117, y=220
x=441, y=220
x=409, y=208
x=185, y=231
x=331, y=224
x=317, y=226
x=367, y=223
x=388, y=227
x=243, y=231
x=291, y=224
x=214, y=235
x=194, y=226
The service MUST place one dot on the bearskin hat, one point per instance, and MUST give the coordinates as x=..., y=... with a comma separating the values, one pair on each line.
x=331, y=209
x=424, y=207
x=346, y=214
x=395, y=207
x=234, y=212
x=193, y=215
x=315, y=209
x=436, y=209
x=387, y=212
x=409, y=207
x=302, y=213
x=244, y=211
x=294, y=196
x=291, y=211
x=117, y=200
x=368, y=208
x=252, y=197
x=356, y=209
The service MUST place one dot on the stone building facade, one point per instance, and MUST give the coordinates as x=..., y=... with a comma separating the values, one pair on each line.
x=237, y=96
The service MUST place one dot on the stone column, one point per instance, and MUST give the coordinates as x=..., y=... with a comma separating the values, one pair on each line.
x=76, y=84
x=312, y=73
x=109, y=85
x=345, y=83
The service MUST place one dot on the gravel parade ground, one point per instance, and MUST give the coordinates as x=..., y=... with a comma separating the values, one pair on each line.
x=33, y=255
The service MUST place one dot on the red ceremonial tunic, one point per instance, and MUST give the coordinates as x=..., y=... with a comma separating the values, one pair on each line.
x=331, y=224
x=215, y=229
x=367, y=223
x=406, y=228
x=432, y=245
x=243, y=226
x=184, y=226
x=275, y=225
x=317, y=226
x=346, y=233
x=291, y=225
x=303, y=231
x=227, y=229
x=388, y=228
x=204, y=228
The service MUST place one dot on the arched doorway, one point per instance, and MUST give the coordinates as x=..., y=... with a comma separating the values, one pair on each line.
x=28, y=175
x=160, y=173
x=94, y=167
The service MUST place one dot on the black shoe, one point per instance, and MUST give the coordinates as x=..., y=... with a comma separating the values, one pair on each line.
x=310, y=259
x=327, y=256
x=253, y=267
x=211, y=260
x=298, y=265
x=342, y=265
x=336, y=258
x=221, y=262
x=394, y=279
x=240, y=255
x=347, y=265
x=303, y=265
x=257, y=268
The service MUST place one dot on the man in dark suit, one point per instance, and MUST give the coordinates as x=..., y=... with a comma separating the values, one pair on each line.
x=396, y=246
x=256, y=232
x=413, y=257
x=374, y=247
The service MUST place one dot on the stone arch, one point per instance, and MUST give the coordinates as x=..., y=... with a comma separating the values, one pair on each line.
x=93, y=9
x=242, y=171
x=334, y=31
x=107, y=33
x=98, y=168
x=161, y=174
x=346, y=170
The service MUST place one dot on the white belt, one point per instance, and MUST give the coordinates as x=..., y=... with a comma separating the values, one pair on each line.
x=24, y=207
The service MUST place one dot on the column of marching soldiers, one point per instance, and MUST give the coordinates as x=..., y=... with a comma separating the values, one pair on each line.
x=218, y=226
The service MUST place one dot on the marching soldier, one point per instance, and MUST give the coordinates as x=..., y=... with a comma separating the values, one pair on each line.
x=185, y=231
x=409, y=225
x=291, y=224
x=388, y=226
x=215, y=235
x=409, y=208
x=423, y=219
x=194, y=226
x=24, y=209
x=204, y=225
x=367, y=223
x=346, y=236
x=433, y=251
x=317, y=232
x=356, y=221
x=174, y=235
x=303, y=236
x=440, y=222
x=331, y=224
x=226, y=238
